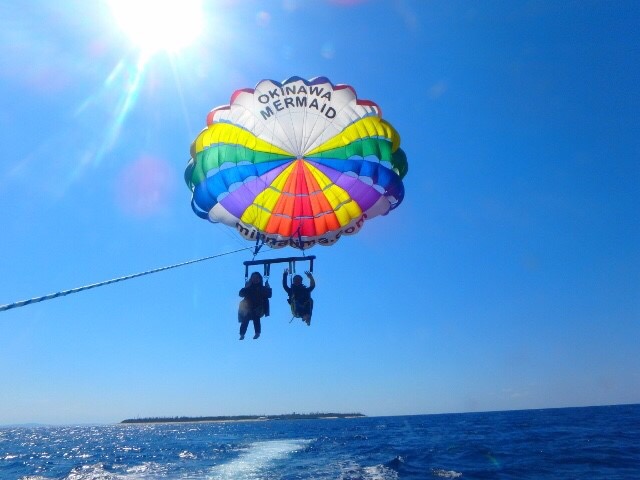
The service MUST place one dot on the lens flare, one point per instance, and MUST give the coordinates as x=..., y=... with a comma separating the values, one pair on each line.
x=145, y=187
x=159, y=26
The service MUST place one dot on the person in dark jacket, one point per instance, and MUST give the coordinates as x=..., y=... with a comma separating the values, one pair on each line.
x=254, y=305
x=300, y=295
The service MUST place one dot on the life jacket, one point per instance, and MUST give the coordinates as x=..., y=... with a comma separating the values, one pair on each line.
x=300, y=301
x=255, y=304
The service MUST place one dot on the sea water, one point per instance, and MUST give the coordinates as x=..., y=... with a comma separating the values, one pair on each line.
x=569, y=443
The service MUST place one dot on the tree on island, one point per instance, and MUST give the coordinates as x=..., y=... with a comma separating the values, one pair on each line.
x=238, y=418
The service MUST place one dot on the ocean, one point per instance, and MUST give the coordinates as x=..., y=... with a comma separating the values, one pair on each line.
x=567, y=443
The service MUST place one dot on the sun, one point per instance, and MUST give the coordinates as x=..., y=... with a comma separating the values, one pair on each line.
x=161, y=25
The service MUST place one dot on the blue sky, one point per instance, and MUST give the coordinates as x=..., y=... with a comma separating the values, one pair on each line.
x=509, y=278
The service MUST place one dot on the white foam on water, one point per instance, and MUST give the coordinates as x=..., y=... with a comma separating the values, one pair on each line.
x=353, y=471
x=256, y=459
x=97, y=471
x=187, y=455
x=379, y=472
x=446, y=473
x=90, y=472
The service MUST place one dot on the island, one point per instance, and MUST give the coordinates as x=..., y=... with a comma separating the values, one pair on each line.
x=244, y=418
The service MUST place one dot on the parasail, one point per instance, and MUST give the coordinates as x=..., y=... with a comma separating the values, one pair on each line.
x=298, y=163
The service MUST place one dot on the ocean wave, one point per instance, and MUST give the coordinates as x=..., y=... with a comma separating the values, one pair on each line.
x=440, y=473
x=100, y=471
x=185, y=454
x=379, y=472
x=396, y=463
x=147, y=469
x=354, y=471
x=91, y=472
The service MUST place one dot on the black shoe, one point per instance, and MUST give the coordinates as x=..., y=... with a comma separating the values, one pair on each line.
x=241, y=337
x=257, y=335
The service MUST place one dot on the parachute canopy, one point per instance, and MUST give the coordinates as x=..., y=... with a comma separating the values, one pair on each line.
x=298, y=163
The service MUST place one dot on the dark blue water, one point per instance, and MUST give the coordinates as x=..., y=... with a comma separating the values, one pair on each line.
x=571, y=443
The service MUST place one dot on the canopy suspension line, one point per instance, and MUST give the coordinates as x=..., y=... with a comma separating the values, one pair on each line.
x=23, y=303
x=259, y=244
x=298, y=243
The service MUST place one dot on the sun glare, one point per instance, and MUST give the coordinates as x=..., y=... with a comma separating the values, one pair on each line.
x=154, y=26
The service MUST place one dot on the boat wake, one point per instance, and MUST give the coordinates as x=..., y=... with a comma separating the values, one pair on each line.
x=257, y=459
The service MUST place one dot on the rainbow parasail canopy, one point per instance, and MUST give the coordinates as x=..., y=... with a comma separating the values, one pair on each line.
x=298, y=163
